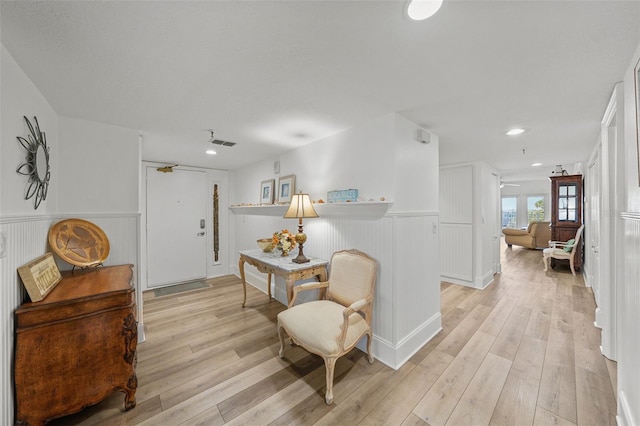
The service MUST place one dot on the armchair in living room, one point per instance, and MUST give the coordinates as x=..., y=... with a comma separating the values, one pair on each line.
x=537, y=235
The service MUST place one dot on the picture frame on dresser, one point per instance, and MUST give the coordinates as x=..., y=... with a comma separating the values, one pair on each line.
x=286, y=188
x=40, y=276
x=266, y=191
x=636, y=80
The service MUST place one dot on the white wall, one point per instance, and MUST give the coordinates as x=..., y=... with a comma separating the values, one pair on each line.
x=101, y=167
x=359, y=158
x=628, y=297
x=20, y=97
x=468, y=220
x=456, y=224
x=404, y=240
x=81, y=153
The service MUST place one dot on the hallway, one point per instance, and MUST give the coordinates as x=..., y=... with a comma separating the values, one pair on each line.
x=524, y=351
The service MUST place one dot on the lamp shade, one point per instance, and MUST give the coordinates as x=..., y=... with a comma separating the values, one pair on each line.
x=300, y=207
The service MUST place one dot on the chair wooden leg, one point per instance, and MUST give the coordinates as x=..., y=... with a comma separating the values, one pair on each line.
x=370, y=355
x=330, y=364
x=573, y=270
x=281, y=335
x=545, y=259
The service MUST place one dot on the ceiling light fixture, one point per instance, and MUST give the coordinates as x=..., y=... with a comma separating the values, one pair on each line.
x=419, y=10
x=211, y=152
x=536, y=165
x=515, y=131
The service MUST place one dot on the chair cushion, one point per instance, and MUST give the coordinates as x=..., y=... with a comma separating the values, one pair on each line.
x=317, y=326
x=569, y=246
x=556, y=253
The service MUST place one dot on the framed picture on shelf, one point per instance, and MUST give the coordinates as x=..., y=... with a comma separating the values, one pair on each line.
x=636, y=78
x=266, y=191
x=286, y=188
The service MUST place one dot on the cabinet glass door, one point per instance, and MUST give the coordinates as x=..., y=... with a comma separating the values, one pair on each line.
x=567, y=202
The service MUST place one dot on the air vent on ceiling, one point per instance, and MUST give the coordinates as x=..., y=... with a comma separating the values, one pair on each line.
x=223, y=143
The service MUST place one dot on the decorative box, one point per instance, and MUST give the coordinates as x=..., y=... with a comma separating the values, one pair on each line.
x=342, y=196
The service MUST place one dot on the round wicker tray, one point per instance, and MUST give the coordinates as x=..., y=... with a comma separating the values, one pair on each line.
x=79, y=242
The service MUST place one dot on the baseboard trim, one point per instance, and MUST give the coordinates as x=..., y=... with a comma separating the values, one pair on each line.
x=625, y=416
x=395, y=356
x=457, y=281
x=141, y=335
x=484, y=281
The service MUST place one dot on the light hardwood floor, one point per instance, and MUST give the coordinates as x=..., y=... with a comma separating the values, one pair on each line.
x=524, y=351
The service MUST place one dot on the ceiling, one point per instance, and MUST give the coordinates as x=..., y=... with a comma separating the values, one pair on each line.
x=275, y=75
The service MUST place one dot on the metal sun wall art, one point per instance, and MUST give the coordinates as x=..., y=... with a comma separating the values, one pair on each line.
x=37, y=163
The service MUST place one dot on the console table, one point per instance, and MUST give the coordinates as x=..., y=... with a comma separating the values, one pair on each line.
x=77, y=346
x=274, y=263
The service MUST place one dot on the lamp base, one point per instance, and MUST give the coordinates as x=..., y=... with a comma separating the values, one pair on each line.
x=300, y=259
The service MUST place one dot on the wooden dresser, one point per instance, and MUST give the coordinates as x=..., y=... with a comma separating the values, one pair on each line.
x=77, y=346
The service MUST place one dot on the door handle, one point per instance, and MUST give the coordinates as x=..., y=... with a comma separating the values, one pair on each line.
x=200, y=234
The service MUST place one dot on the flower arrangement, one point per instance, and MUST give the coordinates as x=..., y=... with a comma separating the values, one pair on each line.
x=284, y=240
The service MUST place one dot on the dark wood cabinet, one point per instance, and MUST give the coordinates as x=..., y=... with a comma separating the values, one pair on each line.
x=566, y=211
x=77, y=346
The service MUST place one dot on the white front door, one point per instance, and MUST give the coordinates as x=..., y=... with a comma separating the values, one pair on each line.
x=176, y=214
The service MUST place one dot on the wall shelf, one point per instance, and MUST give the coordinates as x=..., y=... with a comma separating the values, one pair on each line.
x=365, y=209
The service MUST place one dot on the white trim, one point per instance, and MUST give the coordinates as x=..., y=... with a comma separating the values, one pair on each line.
x=426, y=213
x=454, y=280
x=630, y=215
x=32, y=218
x=625, y=415
x=485, y=280
x=395, y=356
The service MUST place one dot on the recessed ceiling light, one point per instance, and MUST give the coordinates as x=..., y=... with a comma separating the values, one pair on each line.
x=211, y=152
x=514, y=132
x=419, y=10
x=536, y=165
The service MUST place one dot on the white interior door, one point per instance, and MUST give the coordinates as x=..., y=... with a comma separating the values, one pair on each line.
x=176, y=211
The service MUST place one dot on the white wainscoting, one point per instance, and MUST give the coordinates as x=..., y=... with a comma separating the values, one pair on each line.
x=456, y=256
x=26, y=239
x=407, y=303
x=629, y=325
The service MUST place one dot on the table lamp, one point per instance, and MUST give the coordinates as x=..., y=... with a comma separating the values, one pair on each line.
x=300, y=207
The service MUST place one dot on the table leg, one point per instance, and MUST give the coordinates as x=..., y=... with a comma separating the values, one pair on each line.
x=244, y=282
x=269, y=285
x=289, y=282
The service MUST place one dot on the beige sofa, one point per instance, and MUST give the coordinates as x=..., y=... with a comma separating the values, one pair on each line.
x=537, y=235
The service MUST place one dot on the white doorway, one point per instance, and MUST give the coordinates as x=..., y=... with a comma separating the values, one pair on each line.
x=592, y=242
x=176, y=225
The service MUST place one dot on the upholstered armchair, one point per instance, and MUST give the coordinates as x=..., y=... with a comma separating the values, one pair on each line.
x=563, y=250
x=331, y=327
x=537, y=235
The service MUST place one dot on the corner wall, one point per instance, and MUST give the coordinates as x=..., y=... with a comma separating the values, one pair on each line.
x=83, y=184
x=628, y=293
x=381, y=159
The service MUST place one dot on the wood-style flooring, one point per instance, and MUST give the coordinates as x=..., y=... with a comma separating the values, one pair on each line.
x=524, y=351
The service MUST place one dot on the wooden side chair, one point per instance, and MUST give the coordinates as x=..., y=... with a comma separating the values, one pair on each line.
x=563, y=250
x=332, y=326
